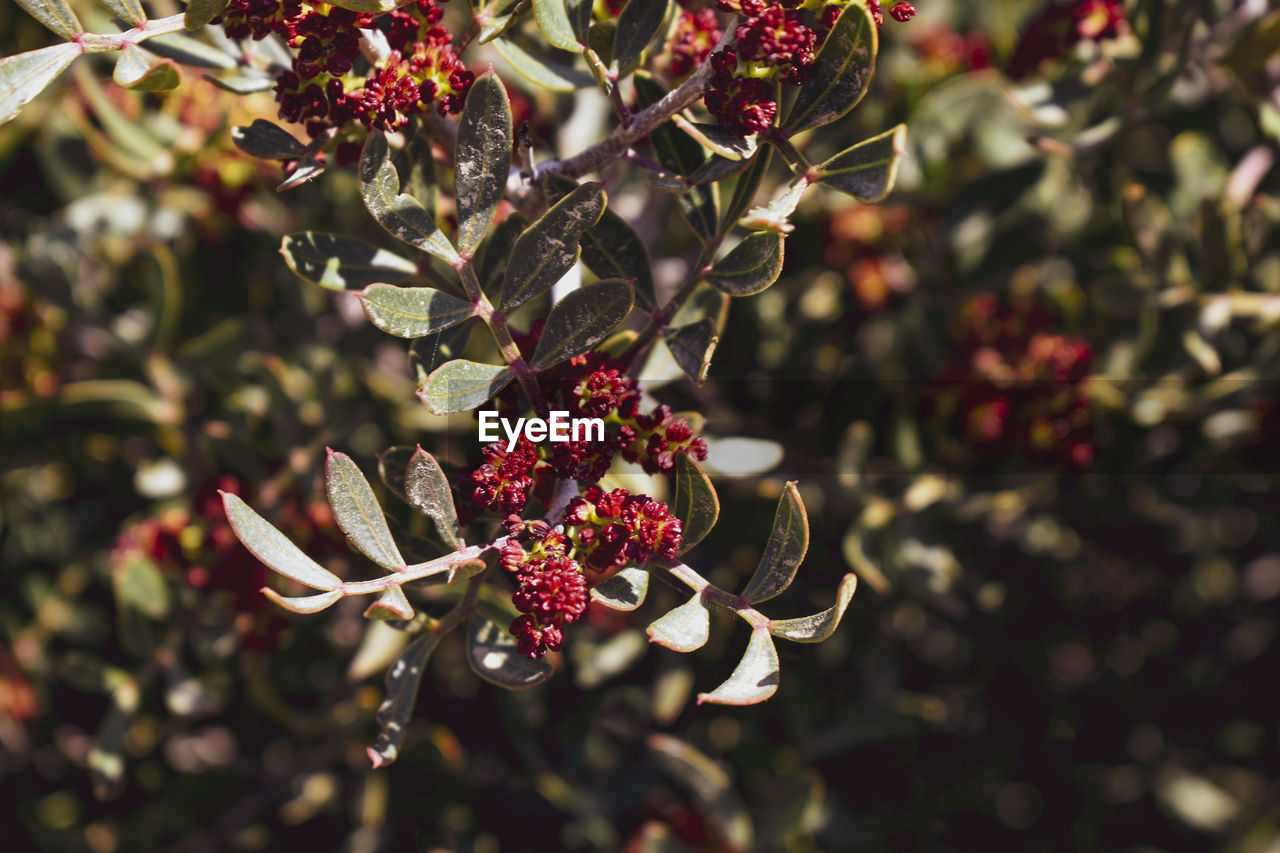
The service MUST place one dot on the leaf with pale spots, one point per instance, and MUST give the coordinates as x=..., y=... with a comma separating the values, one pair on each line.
x=428, y=491
x=785, y=550
x=482, y=159
x=461, y=385
x=413, y=312
x=685, y=628
x=755, y=678
x=624, y=591
x=581, y=320
x=868, y=170
x=403, y=679
x=549, y=247
x=402, y=216
x=819, y=626
x=357, y=512
x=273, y=548
x=491, y=651
x=696, y=503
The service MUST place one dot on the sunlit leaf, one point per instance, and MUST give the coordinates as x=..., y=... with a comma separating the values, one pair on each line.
x=625, y=590
x=685, y=628
x=25, y=75
x=139, y=69
x=696, y=503
x=491, y=651
x=819, y=626
x=553, y=20
x=755, y=678
x=866, y=171
x=189, y=51
x=266, y=140
x=403, y=679
x=392, y=604
x=718, y=140
x=752, y=266
x=461, y=385
x=785, y=551
x=304, y=603
x=637, y=25
x=402, y=216
x=582, y=319
x=428, y=490
x=840, y=73
x=201, y=12
x=339, y=262
x=54, y=14
x=412, y=312
x=273, y=548
x=129, y=11
x=543, y=74
x=692, y=346
x=358, y=513
x=549, y=247
x=482, y=159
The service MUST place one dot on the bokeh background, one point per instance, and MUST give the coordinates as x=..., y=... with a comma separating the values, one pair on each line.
x=1030, y=399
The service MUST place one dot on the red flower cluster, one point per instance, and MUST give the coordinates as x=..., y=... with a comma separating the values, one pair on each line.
x=777, y=38
x=743, y=105
x=1061, y=27
x=502, y=483
x=696, y=34
x=901, y=12
x=613, y=530
x=551, y=590
x=1016, y=384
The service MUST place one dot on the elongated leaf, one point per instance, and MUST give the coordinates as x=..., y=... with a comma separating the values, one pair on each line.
x=696, y=503
x=637, y=25
x=491, y=651
x=266, y=140
x=129, y=11
x=138, y=584
x=144, y=71
x=491, y=261
x=392, y=464
x=392, y=605
x=273, y=548
x=428, y=491
x=684, y=629
x=744, y=191
x=579, y=14
x=25, y=75
x=752, y=266
x=718, y=140
x=786, y=549
x=242, y=85
x=339, y=262
x=553, y=20
x=549, y=247
x=581, y=320
x=482, y=159
x=717, y=168
x=201, y=12
x=755, y=678
x=304, y=603
x=461, y=385
x=840, y=74
x=692, y=346
x=403, y=680
x=357, y=512
x=411, y=312
x=428, y=353
x=867, y=171
x=191, y=51
x=54, y=14
x=819, y=626
x=403, y=217
x=543, y=74
x=624, y=591
x=416, y=165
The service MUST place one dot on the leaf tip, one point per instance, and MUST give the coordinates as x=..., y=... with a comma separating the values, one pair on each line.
x=377, y=759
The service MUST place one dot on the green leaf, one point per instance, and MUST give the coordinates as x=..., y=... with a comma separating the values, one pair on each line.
x=56, y=15
x=201, y=12
x=579, y=14
x=411, y=312
x=744, y=190
x=392, y=605
x=755, y=678
x=304, y=603
x=140, y=585
x=273, y=548
x=339, y=262
x=581, y=320
x=25, y=75
x=402, y=216
x=357, y=512
x=416, y=165
x=553, y=20
x=752, y=266
x=717, y=139
x=491, y=651
x=685, y=628
x=266, y=140
x=189, y=51
x=691, y=346
x=718, y=168
x=429, y=352
x=786, y=549
x=126, y=10
x=543, y=74
x=142, y=70
x=549, y=247
x=696, y=503
x=624, y=591
x=403, y=679
x=242, y=85
x=482, y=159
x=499, y=25
x=428, y=491
x=392, y=463
x=637, y=25
x=461, y=385
x=819, y=626
x=840, y=73
x=867, y=171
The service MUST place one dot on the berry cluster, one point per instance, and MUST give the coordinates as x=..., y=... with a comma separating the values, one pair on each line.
x=322, y=90
x=1017, y=384
x=696, y=34
x=613, y=530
